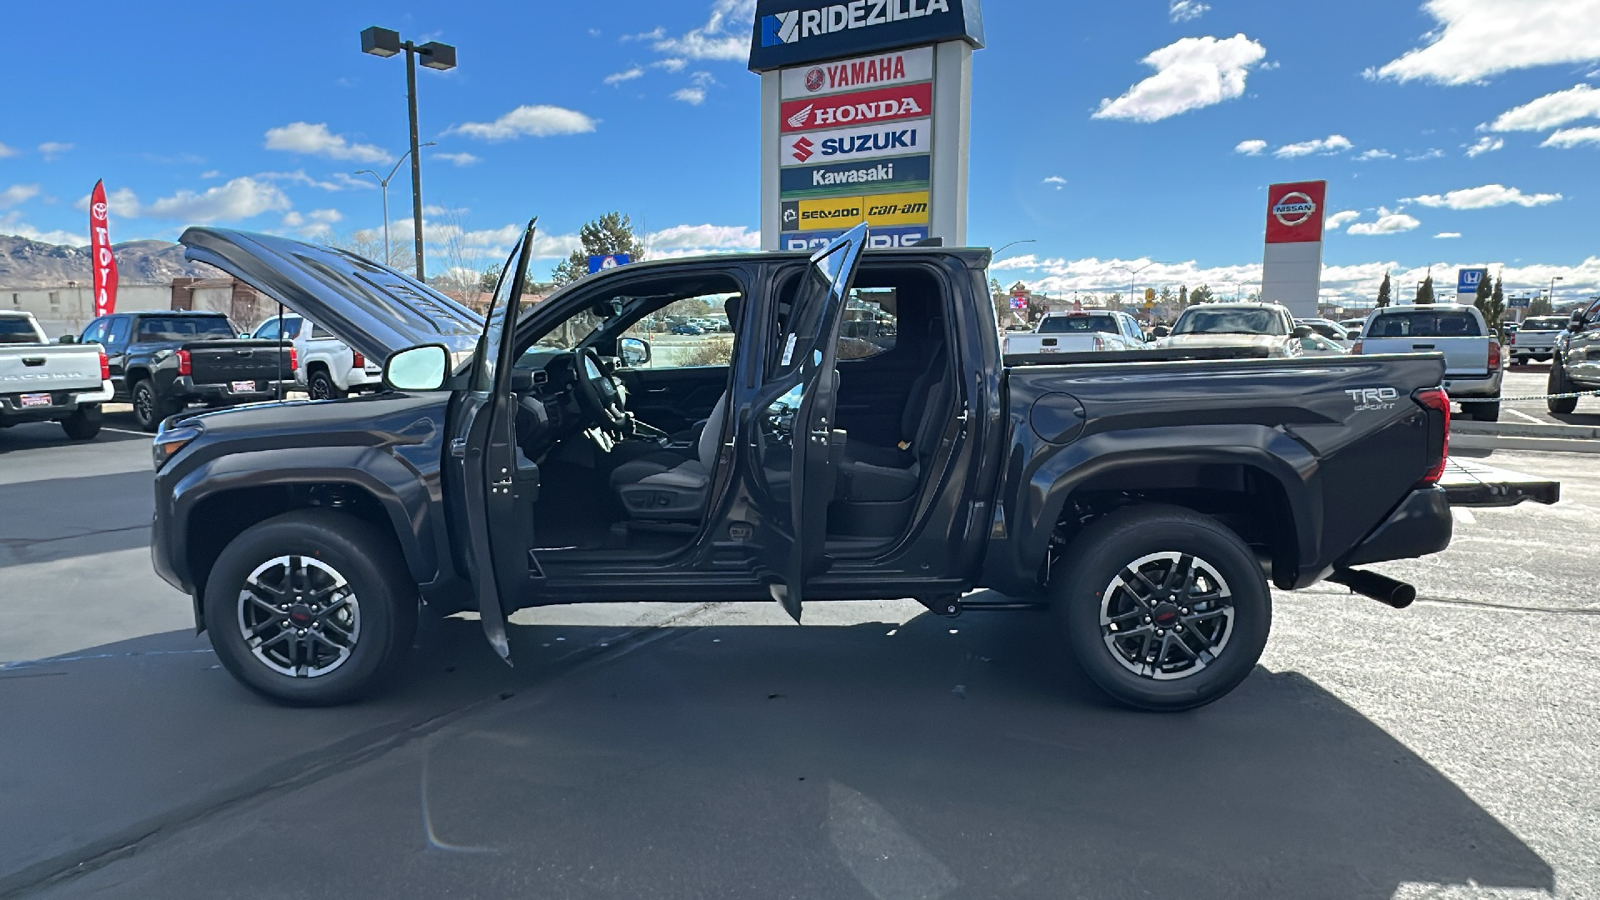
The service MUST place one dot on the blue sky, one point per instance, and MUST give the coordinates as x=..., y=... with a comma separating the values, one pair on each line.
x=1109, y=134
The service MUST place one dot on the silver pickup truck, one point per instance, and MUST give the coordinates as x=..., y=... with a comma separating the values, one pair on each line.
x=1535, y=339
x=1473, y=362
x=45, y=382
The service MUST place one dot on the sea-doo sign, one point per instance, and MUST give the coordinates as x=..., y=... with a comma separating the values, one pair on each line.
x=1295, y=212
x=788, y=32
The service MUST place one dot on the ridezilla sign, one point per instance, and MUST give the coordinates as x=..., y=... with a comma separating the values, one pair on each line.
x=865, y=108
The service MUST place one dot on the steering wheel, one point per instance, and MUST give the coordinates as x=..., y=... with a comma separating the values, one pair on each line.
x=602, y=397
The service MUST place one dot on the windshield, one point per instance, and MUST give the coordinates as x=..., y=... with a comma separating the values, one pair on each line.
x=1544, y=323
x=1078, y=325
x=185, y=328
x=1425, y=323
x=1229, y=321
x=17, y=331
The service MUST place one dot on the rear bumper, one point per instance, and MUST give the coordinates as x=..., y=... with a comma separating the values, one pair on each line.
x=1481, y=386
x=63, y=404
x=185, y=389
x=1420, y=525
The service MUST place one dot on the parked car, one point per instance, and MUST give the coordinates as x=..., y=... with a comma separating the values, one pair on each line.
x=1352, y=327
x=1317, y=345
x=1576, y=366
x=1263, y=329
x=1080, y=331
x=164, y=361
x=326, y=368
x=1473, y=363
x=1149, y=502
x=44, y=382
x=1535, y=339
x=1329, y=329
x=688, y=328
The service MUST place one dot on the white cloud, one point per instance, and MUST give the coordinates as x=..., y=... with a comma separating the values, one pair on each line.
x=1023, y=262
x=18, y=193
x=1250, y=148
x=1056, y=180
x=317, y=140
x=1186, y=10
x=1447, y=235
x=1431, y=153
x=122, y=203
x=299, y=176
x=1332, y=144
x=1489, y=195
x=726, y=34
x=691, y=95
x=240, y=198
x=11, y=223
x=654, y=34
x=1486, y=144
x=1572, y=137
x=1479, y=38
x=456, y=159
x=1374, y=153
x=6, y=151
x=1551, y=110
x=1191, y=73
x=326, y=216
x=292, y=219
x=537, y=120
x=1338, y=219
x=625, y=75
x=211, y=173
x=671, y=64
x=50, y=150
x=1387, y=223
x=702, y=238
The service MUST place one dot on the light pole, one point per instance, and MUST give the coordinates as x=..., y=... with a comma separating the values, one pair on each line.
x=1013, y=244
x=384, y=42
x=383, y=185
x=1552, y=294
x=1133, y=272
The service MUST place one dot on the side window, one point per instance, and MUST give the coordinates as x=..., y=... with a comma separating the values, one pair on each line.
x=117, y=334
x=871, y=323
x=95, y=332
x=267, y=330
x=687, y=333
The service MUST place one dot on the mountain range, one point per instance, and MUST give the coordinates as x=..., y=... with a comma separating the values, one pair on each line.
x=31, y=264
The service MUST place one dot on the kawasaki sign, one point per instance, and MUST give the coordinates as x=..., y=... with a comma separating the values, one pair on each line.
x=794, y=31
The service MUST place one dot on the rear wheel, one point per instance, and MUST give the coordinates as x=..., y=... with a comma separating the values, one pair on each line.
x=149, y=407
x=321, y=387
x=310, y=608
x=83, y=424
x=1558, y=384
x=1165, y=609
x=1485, y=411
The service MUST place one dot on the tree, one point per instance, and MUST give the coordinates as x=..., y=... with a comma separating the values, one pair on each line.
x=610, y=234
x=1199, y=295
x=1002, y=302
x=1491, y=301
x=1114, y=302
x=1183, y=296
x=1383, y=292
x=1425, y=291
x=1538, y=306
x=1165, y=297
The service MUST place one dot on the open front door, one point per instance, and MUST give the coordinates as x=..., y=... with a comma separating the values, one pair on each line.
x=796, y=440
x=500, y=484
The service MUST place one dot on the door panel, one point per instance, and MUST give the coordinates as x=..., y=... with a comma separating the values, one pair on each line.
x=673, y=399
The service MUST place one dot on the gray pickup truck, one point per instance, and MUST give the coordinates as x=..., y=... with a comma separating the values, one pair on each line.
x=44, y=382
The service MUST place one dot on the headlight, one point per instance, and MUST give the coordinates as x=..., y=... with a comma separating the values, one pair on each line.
x=167, y=444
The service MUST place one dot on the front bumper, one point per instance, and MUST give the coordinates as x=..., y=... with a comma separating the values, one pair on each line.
x=1420, y=525
x=185, y=389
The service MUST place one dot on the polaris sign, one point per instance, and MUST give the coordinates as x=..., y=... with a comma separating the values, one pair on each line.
x=792, y=31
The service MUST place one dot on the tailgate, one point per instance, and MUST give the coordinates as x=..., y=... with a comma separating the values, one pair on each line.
x=1462, y=355
x=223, y=362
x=1468, y=482
x=1024, y=344
x=46, y=367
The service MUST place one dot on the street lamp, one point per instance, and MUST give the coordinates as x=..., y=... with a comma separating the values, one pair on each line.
x=1014, y=243
x=383, y=184
x=384, y=42
x=1553, y=280
x=1132, y=273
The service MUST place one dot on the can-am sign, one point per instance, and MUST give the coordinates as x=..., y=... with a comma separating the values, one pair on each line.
x=789, y=32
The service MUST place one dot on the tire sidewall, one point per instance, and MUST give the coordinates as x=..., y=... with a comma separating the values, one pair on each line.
x=155, y=417
x=366, y=561
x=84, y=424
x=330, y=391
x=1118, y=540
x=1558, y=384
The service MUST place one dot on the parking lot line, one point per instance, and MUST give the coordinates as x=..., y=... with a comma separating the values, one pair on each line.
x=122, y=430
x=1518, y=412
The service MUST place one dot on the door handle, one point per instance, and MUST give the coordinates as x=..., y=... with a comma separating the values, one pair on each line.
x=458, y=448
x=656, y=390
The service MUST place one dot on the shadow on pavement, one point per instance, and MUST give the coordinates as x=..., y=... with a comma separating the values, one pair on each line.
x=50, y=522
x=37, y=435
x=939, y=758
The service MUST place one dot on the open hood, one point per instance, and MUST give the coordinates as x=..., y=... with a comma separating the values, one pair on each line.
x=373, y=308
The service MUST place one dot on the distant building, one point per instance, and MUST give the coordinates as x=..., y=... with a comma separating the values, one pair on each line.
x=69, y=308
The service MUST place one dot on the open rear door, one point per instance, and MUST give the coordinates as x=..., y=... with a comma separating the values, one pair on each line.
x=796, y=440
x=498, y=482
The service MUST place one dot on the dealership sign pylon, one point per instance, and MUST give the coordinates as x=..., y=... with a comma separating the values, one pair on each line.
x=865, y=114
x=1291, y=269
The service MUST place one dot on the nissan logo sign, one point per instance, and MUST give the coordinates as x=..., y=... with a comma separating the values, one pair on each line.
x=1294, y=209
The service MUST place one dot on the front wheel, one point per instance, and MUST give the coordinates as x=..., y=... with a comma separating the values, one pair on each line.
x=311, y=608
x=84, y=424
x=1165, y=609
x=1558, y=384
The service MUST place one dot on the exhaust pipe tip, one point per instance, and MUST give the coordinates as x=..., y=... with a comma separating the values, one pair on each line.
x=1381, y=588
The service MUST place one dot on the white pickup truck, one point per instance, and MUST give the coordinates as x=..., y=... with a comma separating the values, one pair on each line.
x=1536, y=339
x=1473, y=364
x=45, y=382
x=327, y=368
x=1079, y=331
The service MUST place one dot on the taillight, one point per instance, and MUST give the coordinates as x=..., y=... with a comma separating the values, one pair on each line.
x=1356, y=347
x=1437, y=402
x=1494, y=353
x=105, y=367
x=1512, y=340
x=357, y=361
x=185, y=363
x=294, y=360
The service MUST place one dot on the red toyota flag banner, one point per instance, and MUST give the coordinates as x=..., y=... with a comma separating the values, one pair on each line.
x=105, y=264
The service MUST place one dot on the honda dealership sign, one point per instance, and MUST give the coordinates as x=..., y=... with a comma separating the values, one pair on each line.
x=1291, y=271
x=865, y=110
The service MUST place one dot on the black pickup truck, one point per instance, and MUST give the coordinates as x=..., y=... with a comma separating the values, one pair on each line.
x=545, y=453
x=166, y=360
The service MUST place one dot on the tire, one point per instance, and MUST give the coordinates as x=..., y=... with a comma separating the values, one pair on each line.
x=1558, y=384
x=1156, y=538
x=321, y=387
x=84, y=424
x=1483, y=412
x=371, y=627
x=1519, y=360
x=149, y=407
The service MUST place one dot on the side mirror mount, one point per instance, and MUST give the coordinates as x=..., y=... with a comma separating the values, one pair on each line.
x=1303, y=331
x=423, y=368
x=67, y=339
x=633, y=351
x=245, y=335
x=1576, y=325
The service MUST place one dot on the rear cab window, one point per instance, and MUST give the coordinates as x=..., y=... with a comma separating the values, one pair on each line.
x=184, y=328
x=1425, y=323
x=17, y=330
x=1079, y=324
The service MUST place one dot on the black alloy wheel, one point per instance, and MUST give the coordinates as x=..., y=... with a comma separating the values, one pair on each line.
x=148, y=407
x=321, y=386
x=1558, y=384
x=1165, y=609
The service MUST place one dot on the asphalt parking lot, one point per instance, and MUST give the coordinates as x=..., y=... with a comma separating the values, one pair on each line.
x=1531, y=380
x=639, y=750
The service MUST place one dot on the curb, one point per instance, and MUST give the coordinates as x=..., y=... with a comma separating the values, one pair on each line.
x=1471, y=441
x=1524, y=429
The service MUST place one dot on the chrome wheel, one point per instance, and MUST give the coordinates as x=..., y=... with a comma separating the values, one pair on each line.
x=1166, y=615
x=299, y=616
